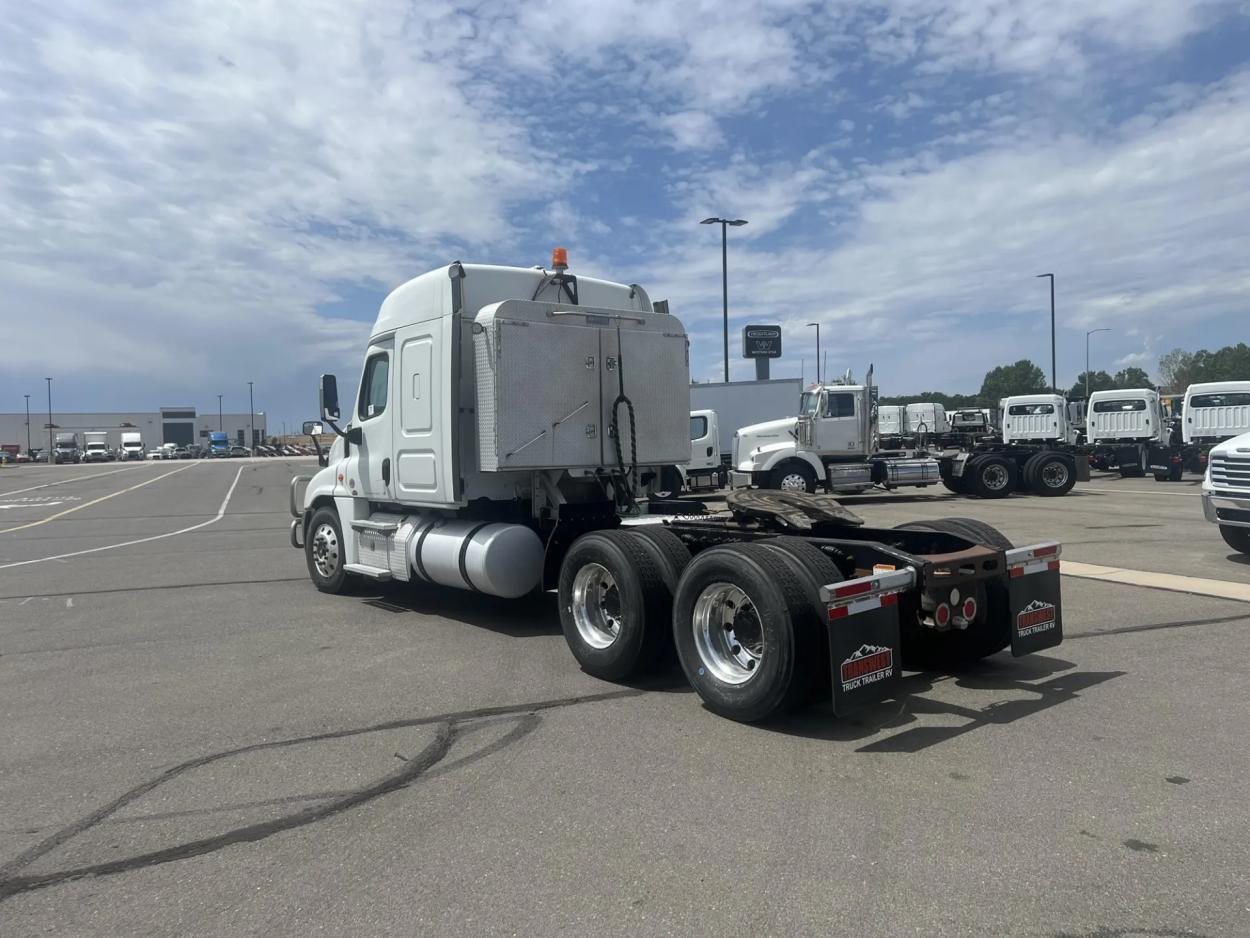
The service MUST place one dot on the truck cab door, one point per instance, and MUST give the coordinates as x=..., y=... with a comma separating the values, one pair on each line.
x=838, y=424
x=369, y=464
x=703, y=440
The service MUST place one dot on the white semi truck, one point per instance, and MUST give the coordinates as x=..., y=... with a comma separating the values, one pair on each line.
x=835, y=444
x=96, y=446
x=132, y=445
x=506, y=423
x=1212, y=413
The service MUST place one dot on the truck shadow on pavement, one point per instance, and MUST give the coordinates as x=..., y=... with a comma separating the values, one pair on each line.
x=528, y=617
x=1038, y=676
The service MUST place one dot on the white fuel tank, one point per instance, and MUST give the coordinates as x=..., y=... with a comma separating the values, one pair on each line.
x=500, y=559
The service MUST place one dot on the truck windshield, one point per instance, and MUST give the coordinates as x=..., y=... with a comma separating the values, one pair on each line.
x=698, y=428
x=808, y=404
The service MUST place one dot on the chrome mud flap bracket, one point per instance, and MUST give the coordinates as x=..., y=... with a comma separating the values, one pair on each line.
x=1033, y=598
x=864, y=643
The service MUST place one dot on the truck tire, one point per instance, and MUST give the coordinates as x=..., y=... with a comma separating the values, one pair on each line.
x=817, y=569
x=324, y=553
x=614, y=605
x=993, y=476
x=741, y=622
x=670, y=483
x=925, y=649
x=1132, y=472
x=667, y=548
x=1051, y=475
x=1236, y=538
x=815, y=561
x=793, y=476
x=1173, y=473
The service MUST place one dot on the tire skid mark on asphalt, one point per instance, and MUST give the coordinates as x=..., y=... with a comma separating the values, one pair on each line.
x=48, y=485
x=160, y=586
x=94, y=501
x=450, y=728
x=1199, y=586
x=1155, y=627
x=221, y=511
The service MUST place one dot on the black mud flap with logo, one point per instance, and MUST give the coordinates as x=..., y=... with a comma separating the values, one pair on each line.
x=864, y=638
x=1033, y=598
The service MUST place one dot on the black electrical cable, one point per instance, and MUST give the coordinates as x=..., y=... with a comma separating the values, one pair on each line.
x=627, y=477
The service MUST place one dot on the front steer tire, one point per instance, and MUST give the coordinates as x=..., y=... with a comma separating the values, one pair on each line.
x=324, y=552
x=614, y=605
x=710, y=619
x=1236, y=538
x=793, y=476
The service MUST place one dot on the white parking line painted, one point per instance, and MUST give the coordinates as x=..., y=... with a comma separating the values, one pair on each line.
x=1219, y=589
x=1194, y=494
x=221, y=511
x=95, y=501
x=48, y=485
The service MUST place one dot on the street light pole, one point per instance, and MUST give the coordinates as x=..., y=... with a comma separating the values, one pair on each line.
x=27, y=396
x=220, y=427
x=1087, y=335
x=251, y=420
x=725, y=224
x=817, y=325
x=51, y=447
x=1053, y=385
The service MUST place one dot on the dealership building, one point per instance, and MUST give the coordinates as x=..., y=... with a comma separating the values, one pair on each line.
x=183, y=426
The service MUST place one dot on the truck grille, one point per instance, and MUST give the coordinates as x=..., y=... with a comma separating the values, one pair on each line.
x=1229, y=471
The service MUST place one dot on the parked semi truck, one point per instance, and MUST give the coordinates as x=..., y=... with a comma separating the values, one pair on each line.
x=1121, y=427
x=218, y=445
x=132, y=445
x=96, y=446
x=1226, y=491
x=1212, y=412
x=506, y=424
x=66, y=450
x=835, y=444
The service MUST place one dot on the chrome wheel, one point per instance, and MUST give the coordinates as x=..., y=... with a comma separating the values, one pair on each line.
x=728, y=634
x=1054, y=475
x=793, y=482
x=995, y=477
x=325, y=550
x=596, y=606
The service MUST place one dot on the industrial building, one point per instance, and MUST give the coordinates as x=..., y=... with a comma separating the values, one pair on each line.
x=182, y=426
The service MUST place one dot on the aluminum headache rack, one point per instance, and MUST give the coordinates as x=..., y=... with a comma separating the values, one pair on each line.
x=862, y=618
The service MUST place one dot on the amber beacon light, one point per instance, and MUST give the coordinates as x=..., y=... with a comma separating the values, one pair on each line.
x=560, y=258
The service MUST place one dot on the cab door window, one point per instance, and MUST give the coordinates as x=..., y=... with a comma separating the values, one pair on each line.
x=840, y=404
x=374, y=386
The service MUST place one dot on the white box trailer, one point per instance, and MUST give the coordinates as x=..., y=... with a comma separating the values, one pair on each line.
x=506, y=424
x=743, y=403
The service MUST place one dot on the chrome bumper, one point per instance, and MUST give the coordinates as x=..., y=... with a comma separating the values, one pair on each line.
x=1227, y=510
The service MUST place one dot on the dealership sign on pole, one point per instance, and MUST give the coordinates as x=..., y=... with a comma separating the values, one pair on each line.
x=761, y=342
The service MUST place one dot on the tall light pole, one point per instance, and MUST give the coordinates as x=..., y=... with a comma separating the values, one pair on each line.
x=251, y=425
x=51, y=445
x=817, y=325
x=1087, y=335
x=725, y=223
x=27, y=396
x=1053, y=386
x=220, y=427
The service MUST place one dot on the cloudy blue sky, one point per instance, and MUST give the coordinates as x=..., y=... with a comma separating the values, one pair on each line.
x=195, y=194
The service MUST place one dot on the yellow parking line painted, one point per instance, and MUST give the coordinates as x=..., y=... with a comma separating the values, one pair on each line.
x=1220, y=589
x=95, y=501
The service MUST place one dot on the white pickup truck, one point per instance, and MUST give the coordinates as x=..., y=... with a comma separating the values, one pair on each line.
x=1226, y=491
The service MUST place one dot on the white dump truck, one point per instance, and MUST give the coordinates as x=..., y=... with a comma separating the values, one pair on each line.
x=835, y=444
x=506, y=424
x=1212, y=412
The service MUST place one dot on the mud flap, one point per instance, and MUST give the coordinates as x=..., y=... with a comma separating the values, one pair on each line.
x=1033, y=598
x=864, y=645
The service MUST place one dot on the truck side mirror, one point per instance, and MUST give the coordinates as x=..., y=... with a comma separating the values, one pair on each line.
x=329, y=397
x=313, y=428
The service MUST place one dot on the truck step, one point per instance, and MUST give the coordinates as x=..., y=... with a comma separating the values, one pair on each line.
x=376, y=527
x=381, y=574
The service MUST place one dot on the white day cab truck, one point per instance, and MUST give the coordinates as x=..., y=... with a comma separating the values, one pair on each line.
x=96, y=446
x=1212, y=413
x=506, y=424
x=835, y=443
x=132, y=445
x=1226, y=491
x=1121, y=427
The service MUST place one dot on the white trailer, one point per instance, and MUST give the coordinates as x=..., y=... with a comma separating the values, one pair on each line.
x=742, y=403
x=506, y=423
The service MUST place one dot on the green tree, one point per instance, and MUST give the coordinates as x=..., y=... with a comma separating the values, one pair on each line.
x=1023, y=377
x=1178, y=368
x=1098, y=381
x=1132, y=377
x=1175, y=367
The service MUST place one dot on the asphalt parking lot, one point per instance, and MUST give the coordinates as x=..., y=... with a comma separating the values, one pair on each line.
x=198, y=742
